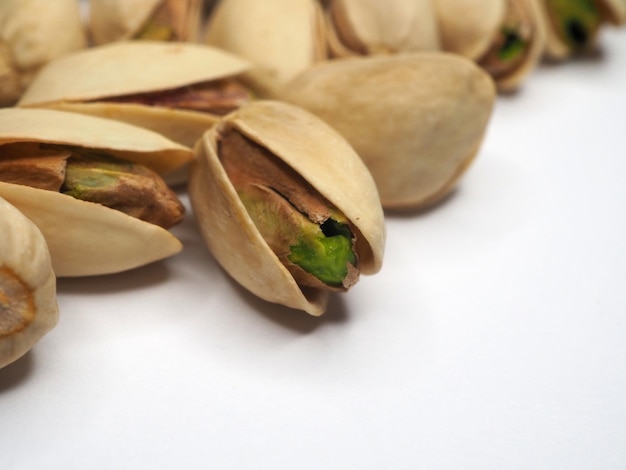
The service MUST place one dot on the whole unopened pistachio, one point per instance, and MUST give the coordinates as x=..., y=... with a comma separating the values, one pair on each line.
x=157, y=20
x=32, y=33
x=506, y=37
x=573, y=25
x=365, y=27
x=91, y=186
x=28, y=305
x=285, y=205
x=279, y=37
x=416, y=120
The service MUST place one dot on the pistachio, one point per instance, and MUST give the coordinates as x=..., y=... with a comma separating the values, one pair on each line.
x=175, y=89
x=30, y=39
x=28, y=306
x=270, y=191
x=310, y=237
x=365, y=27
x=155, y=20
x=416, y=120
x=280, y=38
x=94, y=239
x=573, y=26
x=505, y=37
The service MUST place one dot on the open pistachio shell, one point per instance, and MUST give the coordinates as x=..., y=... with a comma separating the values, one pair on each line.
x=416, y=120
x=365, y=27
x=86, y=238
x=117, y=20
x=318, y=154
x=33, y=33
x=128, y=68
x=28, y=305
x=279, y=37
x=572, y=26
x=506, y=37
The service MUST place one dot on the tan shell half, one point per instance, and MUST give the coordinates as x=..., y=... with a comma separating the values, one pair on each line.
x=131, y=67
x=86, y=238
x=119, y=20
x=317, y=153
x=416, y=120
x=28, y=305
x=33, y=33
x=279, y=37
x=365, y=27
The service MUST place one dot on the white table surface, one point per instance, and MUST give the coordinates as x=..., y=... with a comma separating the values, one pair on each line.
x=493, y=338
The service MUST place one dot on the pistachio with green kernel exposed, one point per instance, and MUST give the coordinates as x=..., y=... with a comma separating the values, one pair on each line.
x=573, y=25
x=285, y=205
x=505, y=37
x=28, y=305
x=97, y=179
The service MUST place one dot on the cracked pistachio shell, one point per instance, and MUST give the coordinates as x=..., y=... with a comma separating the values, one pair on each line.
x=86, y=238
x=279, y=37
x=28, y=305
x=557, y=49
x=416, y=120
x=33, y=33
x=365, y=27
x=132, y=67
x=118, y=20
x=471, y=32
x=317, y=153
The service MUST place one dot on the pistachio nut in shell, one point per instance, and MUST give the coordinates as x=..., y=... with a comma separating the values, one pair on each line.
x=165, y=20
x=85, y=238
x=573, y=26
x=175, y=89
x=416, y=120
x=33, y=33
x=28, y=305
x=366, y=27
x=505, y=37
x=313, y=161
x=280, y=38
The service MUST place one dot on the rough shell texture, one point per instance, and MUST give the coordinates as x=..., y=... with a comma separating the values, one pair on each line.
x=120, y=139
x=32, y=33
x=26, y=282
x=374, y=27
x=416, y=120
x=318, y=154
x=279, y=37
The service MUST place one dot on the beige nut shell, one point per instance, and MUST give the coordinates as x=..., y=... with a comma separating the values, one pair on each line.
x=33, y=33
x=85, y=238
x=118, y=20
x=25, y=263
x=368, y=27
x=318, y=154
x=130, y=67
x=416, y=120
x=279, y=37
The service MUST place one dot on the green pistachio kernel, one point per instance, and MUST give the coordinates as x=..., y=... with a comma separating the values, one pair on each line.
x=576, y=22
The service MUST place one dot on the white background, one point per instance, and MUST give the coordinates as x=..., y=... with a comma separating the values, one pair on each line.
x=493, y=338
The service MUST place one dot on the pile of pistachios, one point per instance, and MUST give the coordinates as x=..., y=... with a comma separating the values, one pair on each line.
x=293, y=125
